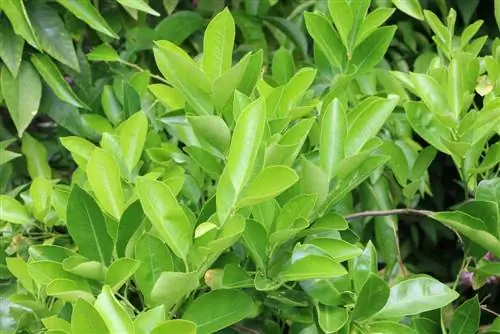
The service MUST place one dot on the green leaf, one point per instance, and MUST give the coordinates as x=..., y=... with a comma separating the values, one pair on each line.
x=235, y=277
x=166, y=215
x=332, y=138
x=291, y=30
x=489, y=190
x=22, y=95
x=300, y=206
x=366, y=123
x=364, y=265
x=331, y=318
x=52, y=34
x=373, y=20
x=54, y=78
x=416, y=295
x=184, y=74
x=44, y=272
x=218, y=45
x=338, y=250
x=87, y=227
x=497, y=12
x=114, y=315
x=283, y=66
x=120, y=271
x=391, y=327
x=372, y=297
x=103, y=52
x=81, y=266
x=342, y=16
x=312, y=267
x=219, y=309
x=130, y=222
x=36, y=156
x=81, y=149
x=132, y=136
x=178, y=27
x=18, y=17
x=69, y=290
x=256, y=241
x=472, y=228
x=410, y=7
x=41, y=195
x=20, y=270
x=84, y=10
x=213, y=129
x=224, y=86
x=11, y=48
x=146, y=321
x=372, y=50
x=326, y=38
x=269, y=183
x=13, y=212
x=85, y=318
x=54, y=323
x=139, y=5
x=184, y=283
x=398, y=162
x=466, y=317
x=155, y=258
x=176, y=326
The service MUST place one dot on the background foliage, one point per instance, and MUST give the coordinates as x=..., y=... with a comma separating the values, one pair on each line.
x=249, y=166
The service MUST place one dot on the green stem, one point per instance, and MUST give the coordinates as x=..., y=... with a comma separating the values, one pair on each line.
x=379, y=213
x=140, y=69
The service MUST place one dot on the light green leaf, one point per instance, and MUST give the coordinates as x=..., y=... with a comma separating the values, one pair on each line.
x=218, y=45
x=372, y=297
x=11, y=48
x=283, y=66
x=36, y=156
x=269, y=183
x=52, y=34
x=372, y=50
x=20, y=270
x=224, y=86
x=212, y=129
x=166, y=215
x=169, y=96
x=54, y=323
x=180, y=26
x=83, y=267
x=7, y=156
x=22, y=95
x=364, y=265
x=18, y=17
x=497, y=12
x=120, y=272
x=184, y=74
x=50, y=252
x=85, y=318
x=466, y=317
x=114, y=315
x=312, y=267
x=338, y=250
x=54, y=78
x=256, y=241
x=176, y=326
x=410, y=7
x=416, y=295
x=219, y=309
x=331, y=318
x=398, y=162
x=341, y=13
x=373, y=20
x=132, y=136
x=69, y=290
x=139, y=5
x=81, y=149
x=146, y=321
x=84, y=10
x=332, y=138
x=184, y=283
x=87, y=227
x=13, y=212
x=103, y=175
x=103, y=52
x=41, y=195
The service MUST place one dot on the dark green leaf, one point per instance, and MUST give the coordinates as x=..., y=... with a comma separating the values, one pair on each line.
x=466, y=317
x=372, y=297
x=11, y=48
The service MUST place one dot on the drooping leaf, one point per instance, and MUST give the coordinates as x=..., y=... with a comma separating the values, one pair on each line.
x=120, y=272
x=176, y=326
x=146, y=321
x=331, y=318
x=410, y=7
x=36, y=156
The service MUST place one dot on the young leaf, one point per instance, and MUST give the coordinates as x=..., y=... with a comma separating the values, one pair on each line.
x=338, y=250
x=84, y=10
x=332, y=138
x=364, y=265
x=18, y=17
x=132, y=136
x=103, y=52
x=466, y=317
x=374, y=20
x=283, y=66
x=22, y=94
x=54, y=78
x=416, y=295
x=139, y=5
x=13, y=212
x=166, y=215
x=36, y=156
x=256, y=241
x=371, y=51
x=342, y=16
x=120, y=272
x=85, y=318
x=130, y=222
x=11, y=49
x=218, y=45
x=146, y=321
x=81, y=149
x=410, y=7
x=219, y=309
x=269, y=183
x=184, y=283
x=372, y=297
x=176, y=326
x=103, y=175
x=114, y=315
x=213, y=129
x=312, y=267
x=331, y=318
x=87, y=226
x=20, y=270
x=41, y=195
x=70, y=290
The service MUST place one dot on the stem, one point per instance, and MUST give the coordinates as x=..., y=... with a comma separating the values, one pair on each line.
x=465, y=264
x=484, y=308
x=379, y=213
x=140, y=69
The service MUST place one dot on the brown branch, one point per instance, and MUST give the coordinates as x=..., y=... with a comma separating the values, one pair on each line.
x=380, y=213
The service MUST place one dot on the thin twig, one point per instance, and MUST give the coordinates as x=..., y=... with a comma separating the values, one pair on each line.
x=484, y=308
x=380, y=213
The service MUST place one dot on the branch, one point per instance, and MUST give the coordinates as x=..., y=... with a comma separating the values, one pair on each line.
x=379, y=213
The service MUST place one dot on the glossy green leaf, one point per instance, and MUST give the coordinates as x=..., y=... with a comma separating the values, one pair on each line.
x=312, y=267
x=410, y=7
x=292, y=30
x=166, y=215
x=219, y=309
x=331, y=318
x=497, y=12
x=87, y=226
x=256, y=241
x=184, y=283
x=398, y=162
x=466, y=317
x=283, y=66
x=103, y=52
x=84, y=10
x=119, y=272
x=22, y=95
x=416, y=295
x=139, y=5
x=155, y=258
x=54, y=323
x=16, y=12
x=373, y=20
x=332, y=138
x=176, y=326
x=52, y=35
x=184, y=74
x=85, y=318
x=41, y=195
x=179, y=26
x=224, y=86
x=342, y=16
x=372, y=50
x=372, y=297
x=390, y=327
x=13, y=212
x=218, y=45
x=364, y=265
x=54, y=78
x=146, y=321
x=11, y=48
x=269, y=183
x=44, y=272
x=20, y=270
x=36, y=156
x=338, y=250
x=82, y=266
x=205, y=160
x=114, y=315
x=81, y=149
x=213, y=129
x=49, y=252
x=132, y=136
x=130, y=222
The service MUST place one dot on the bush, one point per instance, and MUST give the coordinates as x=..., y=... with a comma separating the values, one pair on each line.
x=272, y=167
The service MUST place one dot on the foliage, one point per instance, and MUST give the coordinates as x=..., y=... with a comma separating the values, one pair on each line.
x=265, y=167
